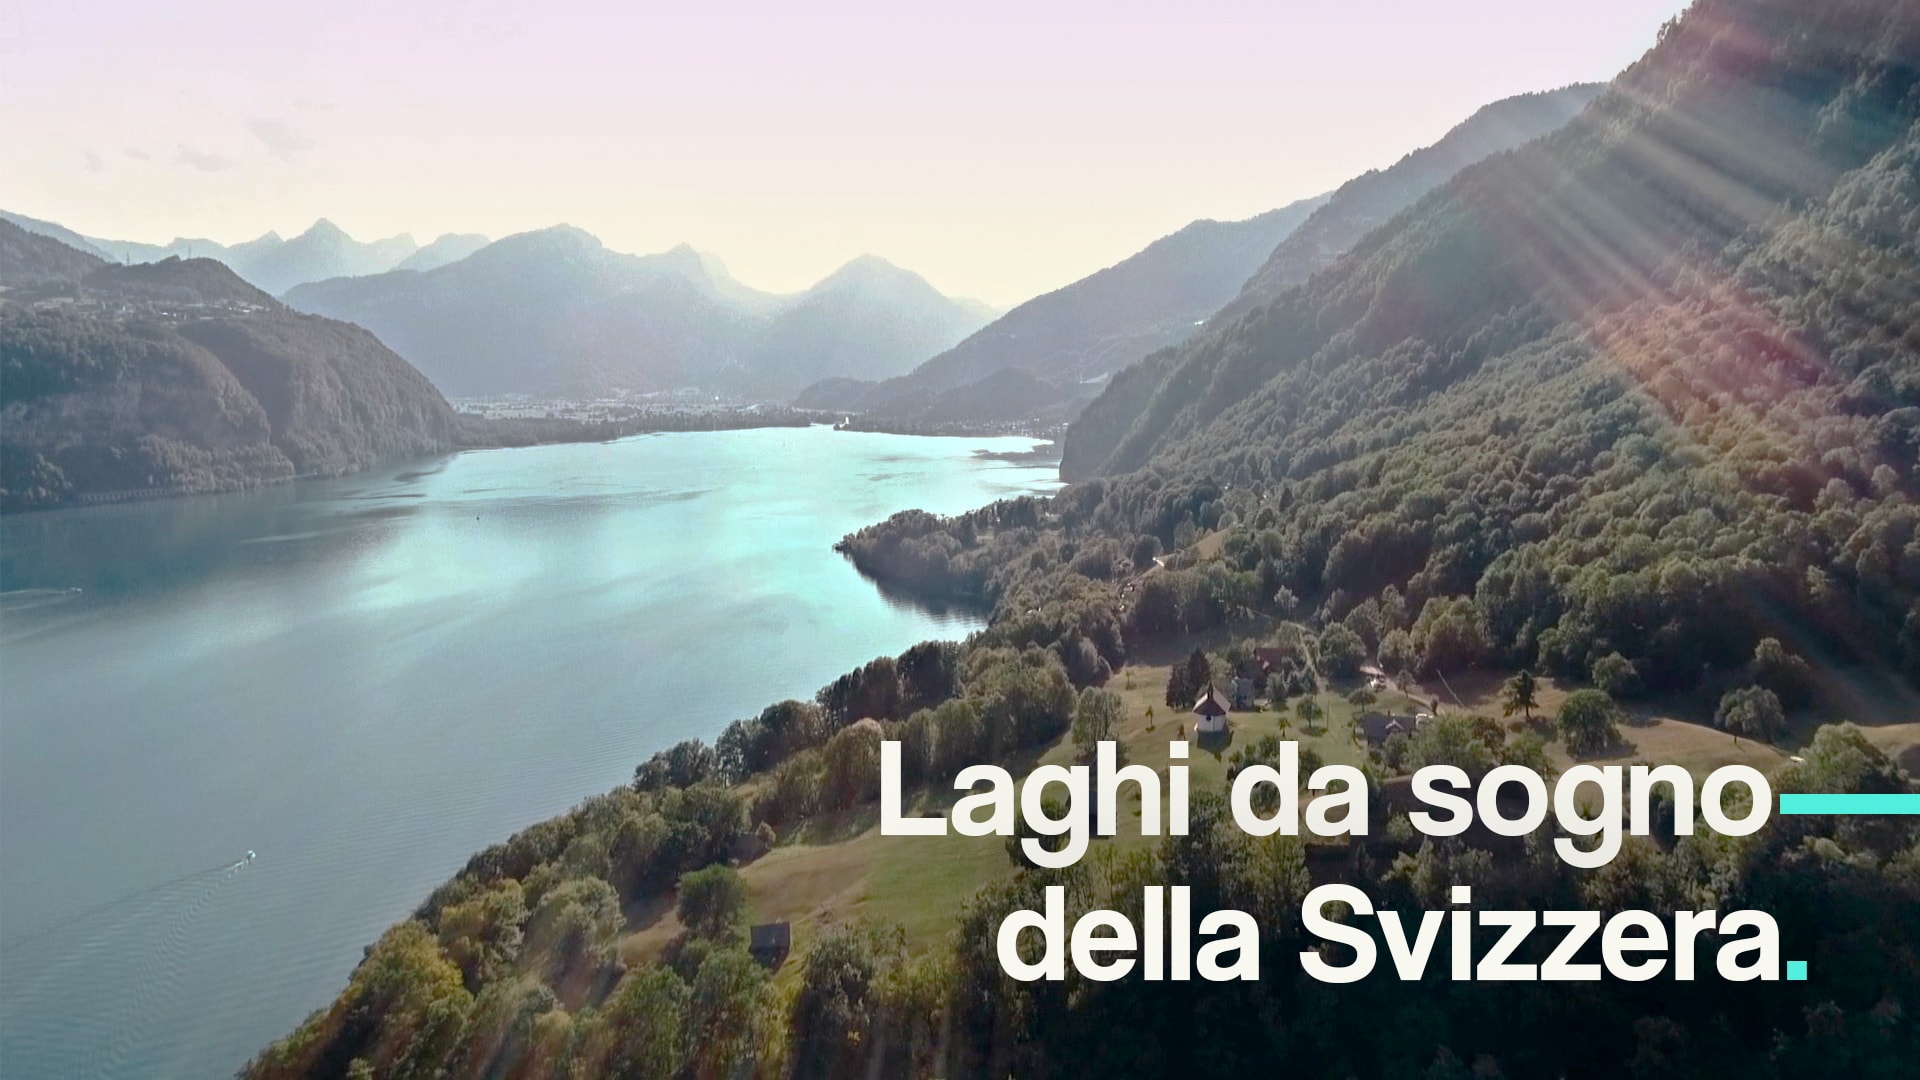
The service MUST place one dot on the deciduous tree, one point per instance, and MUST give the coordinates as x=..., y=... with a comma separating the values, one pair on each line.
x=1588, y=722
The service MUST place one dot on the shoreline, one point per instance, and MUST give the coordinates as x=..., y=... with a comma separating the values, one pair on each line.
x=476, y=432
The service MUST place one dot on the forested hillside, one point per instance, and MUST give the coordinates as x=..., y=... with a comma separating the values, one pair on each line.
x=1368, y=201
x=28, y=259
x=1648, y=386
x=36, y=227
x=177, y=377
x=1071, y=339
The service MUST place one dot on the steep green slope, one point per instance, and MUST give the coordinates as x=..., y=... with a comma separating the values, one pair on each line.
x=29, y=258
x=93, y=407
x=1651, y=385
x=1075, y=336
x=1631, y=203
x=177, y=377
x=338, y=400
x=1366, y=202
x=58, y=233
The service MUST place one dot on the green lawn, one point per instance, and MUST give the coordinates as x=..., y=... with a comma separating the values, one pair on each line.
x=839, y=866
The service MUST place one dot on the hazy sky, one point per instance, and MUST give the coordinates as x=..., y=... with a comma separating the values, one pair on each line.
x=999, y=149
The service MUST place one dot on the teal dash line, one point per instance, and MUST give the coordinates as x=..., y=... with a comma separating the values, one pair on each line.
x=1850, y=804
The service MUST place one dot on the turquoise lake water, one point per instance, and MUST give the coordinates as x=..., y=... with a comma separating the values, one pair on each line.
x=365, y=680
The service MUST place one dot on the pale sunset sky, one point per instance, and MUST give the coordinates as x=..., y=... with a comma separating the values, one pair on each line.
x=999, y=149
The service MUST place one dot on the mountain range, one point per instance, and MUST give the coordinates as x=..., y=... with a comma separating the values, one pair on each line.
x=177, y=377
x=554, y=312
x=1094, y=326
x=270, y=262
x=1073, y=338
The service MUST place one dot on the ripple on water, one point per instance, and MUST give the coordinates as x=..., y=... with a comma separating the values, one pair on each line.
x=367, y=689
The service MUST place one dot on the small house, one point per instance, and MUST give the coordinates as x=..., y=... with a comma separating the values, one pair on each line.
x=1277, y=660
x=769, y=944
x=1272, y=658
x=1379, y=727
x=1210, y=712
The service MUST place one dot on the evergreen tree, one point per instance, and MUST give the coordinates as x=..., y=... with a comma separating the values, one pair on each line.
x=1519, y=695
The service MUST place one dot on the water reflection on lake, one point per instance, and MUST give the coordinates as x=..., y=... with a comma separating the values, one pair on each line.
x=365, y=680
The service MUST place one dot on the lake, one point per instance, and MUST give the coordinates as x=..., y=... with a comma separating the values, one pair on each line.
x=365, y=680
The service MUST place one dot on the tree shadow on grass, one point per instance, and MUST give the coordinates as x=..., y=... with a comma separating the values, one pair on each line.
x=833, y=828
x=647, y=910
x=929, y=800
x=1620, y=749
x=1214, y=742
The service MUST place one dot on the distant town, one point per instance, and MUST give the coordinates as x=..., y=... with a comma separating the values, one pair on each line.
x=694, y=407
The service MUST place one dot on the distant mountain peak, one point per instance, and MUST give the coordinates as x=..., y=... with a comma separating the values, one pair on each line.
x=693, y=263
x=570, y=233
x=1082, y=331
x=869, y=264
x=323, y=229
x=867, y=272
x=715, y=265
x=553, y=311
x=323, y=250
x=444, y=249
x=560, y=239
x=687, y=258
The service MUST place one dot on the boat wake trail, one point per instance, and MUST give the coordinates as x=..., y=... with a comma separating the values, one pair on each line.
x=151, y=935
x=98, y=911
